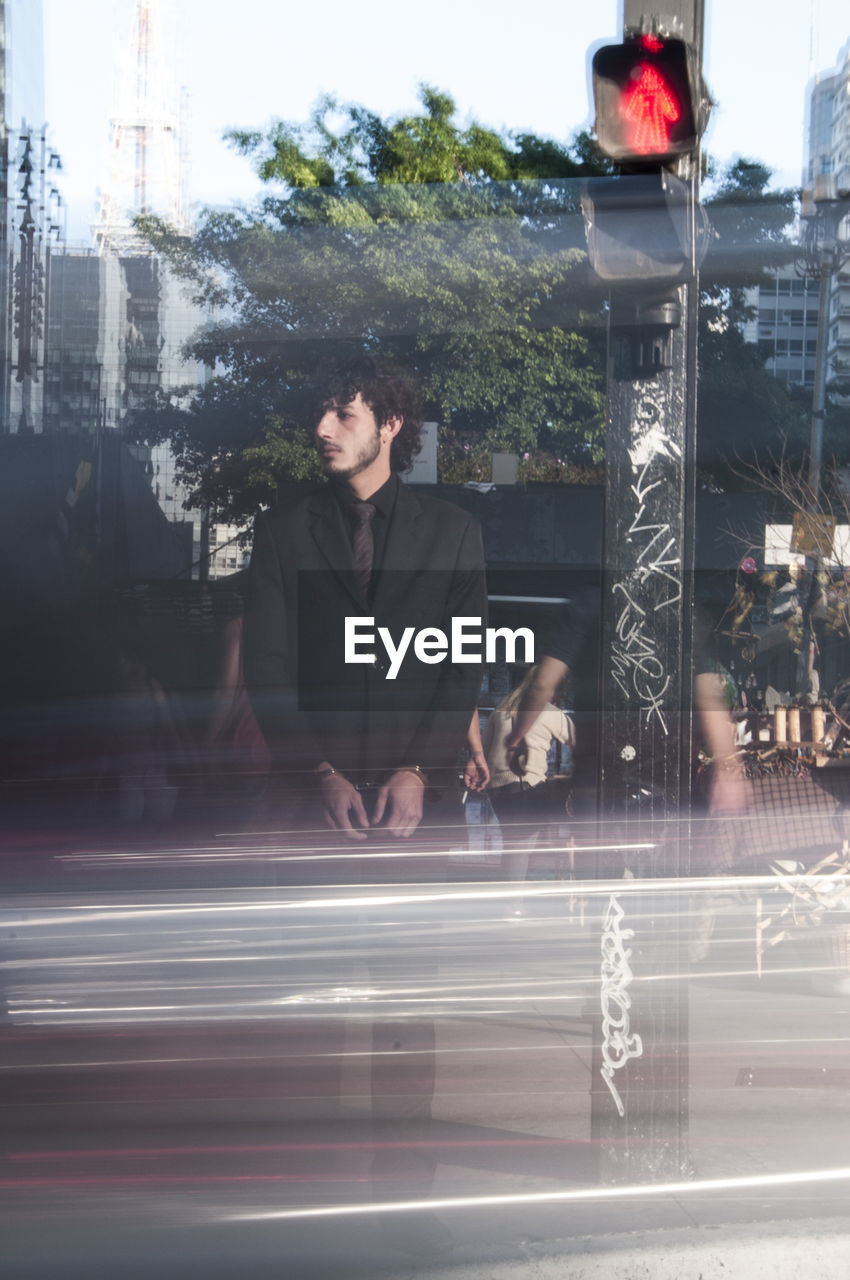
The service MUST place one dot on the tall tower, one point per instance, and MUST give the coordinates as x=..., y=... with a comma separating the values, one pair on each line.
x=154, y=316
x=31, y=219
x=786, y=321
x=144, y=172
x=827, y=171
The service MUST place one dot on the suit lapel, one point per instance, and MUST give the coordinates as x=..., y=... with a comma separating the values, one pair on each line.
x=326, y=528
x=403, y=553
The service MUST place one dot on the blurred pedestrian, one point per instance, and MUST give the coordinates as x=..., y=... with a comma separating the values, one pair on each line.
x=519, y=793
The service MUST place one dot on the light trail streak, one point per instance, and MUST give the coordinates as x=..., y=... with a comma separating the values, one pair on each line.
x=241, y=1059
x=252, y=1009
x=270, y=903
x=319, y=853
x=638, y=1191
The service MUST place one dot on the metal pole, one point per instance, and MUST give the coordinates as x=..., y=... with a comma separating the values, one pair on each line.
x=805, y=658
x=819, y=390
x=639, y=1101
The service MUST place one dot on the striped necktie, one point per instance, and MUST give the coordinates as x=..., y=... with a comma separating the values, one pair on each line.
x=364, y=543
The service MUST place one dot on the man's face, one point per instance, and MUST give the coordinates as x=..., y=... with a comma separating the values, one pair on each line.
x=350, y=442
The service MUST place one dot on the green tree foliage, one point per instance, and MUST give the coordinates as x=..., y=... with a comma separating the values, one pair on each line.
x=751, y=234
x=745, y=414
x=458, y=250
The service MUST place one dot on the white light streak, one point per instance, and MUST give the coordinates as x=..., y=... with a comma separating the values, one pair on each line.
x=242, y=1058
x=319, y=853
x=637, y=1191
x=412, y=895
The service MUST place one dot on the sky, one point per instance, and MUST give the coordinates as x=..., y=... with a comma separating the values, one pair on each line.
x=245, y=62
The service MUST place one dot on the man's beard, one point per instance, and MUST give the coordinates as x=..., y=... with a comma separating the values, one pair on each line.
x=367, y=455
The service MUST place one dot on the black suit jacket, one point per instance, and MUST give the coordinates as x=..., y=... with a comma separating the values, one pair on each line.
x=311, y=704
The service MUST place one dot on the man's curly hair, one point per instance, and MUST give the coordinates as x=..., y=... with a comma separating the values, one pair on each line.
x=386, y=388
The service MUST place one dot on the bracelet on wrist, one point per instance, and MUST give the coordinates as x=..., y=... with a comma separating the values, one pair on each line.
x=414, y=768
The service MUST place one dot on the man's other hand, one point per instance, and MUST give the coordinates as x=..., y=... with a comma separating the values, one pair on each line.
x=516, y=751
x=343, y=806
x=400, y=801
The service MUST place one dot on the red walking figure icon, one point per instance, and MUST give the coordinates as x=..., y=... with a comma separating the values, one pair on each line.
x=651, y=107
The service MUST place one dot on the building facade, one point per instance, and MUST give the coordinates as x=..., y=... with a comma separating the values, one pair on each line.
x=826, y=172
x=31, y=216
x=785, y=326
x=785, y=317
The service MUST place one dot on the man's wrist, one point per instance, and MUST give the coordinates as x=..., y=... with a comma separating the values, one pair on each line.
x=415, y=769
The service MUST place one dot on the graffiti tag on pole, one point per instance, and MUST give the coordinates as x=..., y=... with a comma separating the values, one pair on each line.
x=618, y=1044
x=655, y=581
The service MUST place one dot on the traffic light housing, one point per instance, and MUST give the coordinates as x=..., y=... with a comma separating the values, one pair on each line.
x=650, y=107
x=646, y=231
x=642, y=230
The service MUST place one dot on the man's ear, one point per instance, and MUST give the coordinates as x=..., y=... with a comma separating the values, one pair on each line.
x=392, y=426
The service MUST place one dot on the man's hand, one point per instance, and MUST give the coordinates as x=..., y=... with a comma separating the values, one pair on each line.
x=516, y=750
x=343, y=806
x=400, y=798
x=476, y=774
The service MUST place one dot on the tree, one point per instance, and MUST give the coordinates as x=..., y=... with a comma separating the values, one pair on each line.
x=745, y=414
x=458, y=250
x=461, y=251
x=752, y=233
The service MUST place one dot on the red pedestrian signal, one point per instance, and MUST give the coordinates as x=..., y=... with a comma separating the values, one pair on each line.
x=649, y=109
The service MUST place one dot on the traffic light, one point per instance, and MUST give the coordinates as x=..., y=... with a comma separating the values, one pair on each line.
x=645, y=228
x=650, y=108
x=640, y=229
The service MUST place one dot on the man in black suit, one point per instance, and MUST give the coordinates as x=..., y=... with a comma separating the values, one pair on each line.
x=358, y=735
x=357, y=743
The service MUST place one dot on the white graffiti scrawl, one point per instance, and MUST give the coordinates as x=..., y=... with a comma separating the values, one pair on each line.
x=635, y=661
x=618, y=1046
x=654, y=583
x=658, y=558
